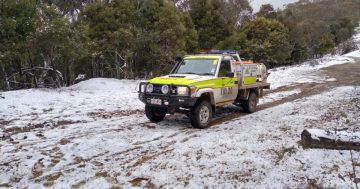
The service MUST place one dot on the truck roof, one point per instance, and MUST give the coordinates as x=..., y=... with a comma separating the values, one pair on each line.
x=229, y=52
x=233, y=53
x=204, y=56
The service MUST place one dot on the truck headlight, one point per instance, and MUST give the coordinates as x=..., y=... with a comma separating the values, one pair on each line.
x=149, y=88
x=183, y=91
x=165, y=89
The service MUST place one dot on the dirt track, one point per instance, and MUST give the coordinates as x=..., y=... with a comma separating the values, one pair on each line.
x=345, y=75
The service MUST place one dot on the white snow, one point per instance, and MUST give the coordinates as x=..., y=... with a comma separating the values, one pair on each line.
x=342, y=135
x=251, y=151
x=37, y=106
x=356, y=39
x=256, y=150
x=278, y=96
x=353, y=54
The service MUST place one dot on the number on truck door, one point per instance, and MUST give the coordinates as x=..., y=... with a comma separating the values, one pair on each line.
x=229, y=89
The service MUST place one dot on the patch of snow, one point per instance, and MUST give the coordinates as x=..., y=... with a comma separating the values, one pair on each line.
x=48, y=106
x=97, y=183
x=356, y=39
x=355, y=54
x=106, y=84
x=330, y=80
x=344, y=136
x=278, y=96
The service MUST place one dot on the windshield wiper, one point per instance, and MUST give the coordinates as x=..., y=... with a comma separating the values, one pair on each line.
x=189, y=73
x=206, y=74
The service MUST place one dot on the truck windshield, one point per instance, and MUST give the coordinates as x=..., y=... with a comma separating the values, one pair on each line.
x=197, y=66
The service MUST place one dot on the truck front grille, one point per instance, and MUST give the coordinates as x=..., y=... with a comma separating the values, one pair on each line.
x=157, y=89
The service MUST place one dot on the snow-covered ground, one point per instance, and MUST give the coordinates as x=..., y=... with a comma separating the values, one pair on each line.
x=47, y=106
x=95, y=135
x=108, y=148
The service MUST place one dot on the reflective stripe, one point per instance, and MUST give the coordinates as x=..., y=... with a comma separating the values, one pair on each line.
x=249, y=80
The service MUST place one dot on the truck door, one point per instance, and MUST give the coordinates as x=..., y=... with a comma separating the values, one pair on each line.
x=229, y=87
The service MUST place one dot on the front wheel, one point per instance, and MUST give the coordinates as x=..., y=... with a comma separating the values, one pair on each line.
x=201, y=115
x=155, y=114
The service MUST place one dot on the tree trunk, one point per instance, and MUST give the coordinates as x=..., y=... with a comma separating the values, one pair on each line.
x=337, y=140
x=4, y=84
x=41, y=81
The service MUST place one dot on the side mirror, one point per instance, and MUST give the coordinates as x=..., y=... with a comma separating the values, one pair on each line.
x=230, y=74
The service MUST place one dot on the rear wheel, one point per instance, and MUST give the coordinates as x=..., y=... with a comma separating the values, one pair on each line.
x=201, y=114
x=250, y=104
x=155, y=114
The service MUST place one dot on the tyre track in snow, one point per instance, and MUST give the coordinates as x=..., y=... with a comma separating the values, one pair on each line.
x=131, y=157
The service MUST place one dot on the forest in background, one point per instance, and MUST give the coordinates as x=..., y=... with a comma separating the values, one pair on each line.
x=45, y=41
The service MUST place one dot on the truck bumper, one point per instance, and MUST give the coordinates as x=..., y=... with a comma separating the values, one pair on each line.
x=167, y=101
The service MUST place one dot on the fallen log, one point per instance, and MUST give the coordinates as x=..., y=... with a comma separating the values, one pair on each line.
x=337, y=140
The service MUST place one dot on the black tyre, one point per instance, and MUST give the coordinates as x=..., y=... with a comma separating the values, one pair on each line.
x=155, y=114
x=201, y=114
x=250, y=104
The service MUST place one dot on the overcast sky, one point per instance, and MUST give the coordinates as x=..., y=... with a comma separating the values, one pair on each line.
x=256, y=4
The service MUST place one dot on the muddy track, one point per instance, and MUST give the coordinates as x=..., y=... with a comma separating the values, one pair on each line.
x=345, y=74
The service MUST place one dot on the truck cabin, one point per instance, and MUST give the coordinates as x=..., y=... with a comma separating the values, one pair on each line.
x=206, y=65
